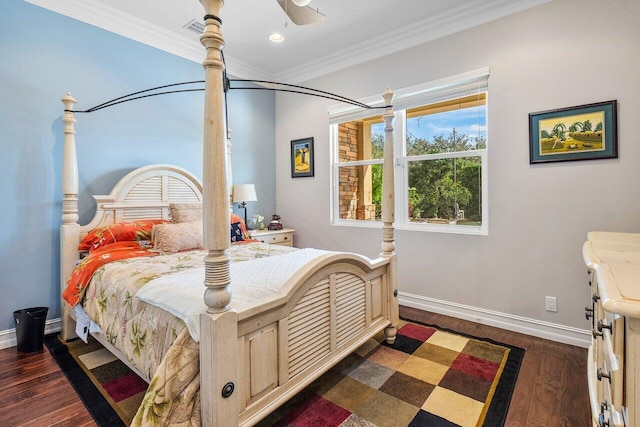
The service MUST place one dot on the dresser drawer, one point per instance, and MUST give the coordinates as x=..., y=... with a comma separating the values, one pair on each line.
x=609, y=344
x=278, y=239
x=596, y=393
x=274, y=237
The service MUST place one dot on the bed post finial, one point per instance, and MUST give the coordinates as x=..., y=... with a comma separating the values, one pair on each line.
x=388, y=215
x=69, y=163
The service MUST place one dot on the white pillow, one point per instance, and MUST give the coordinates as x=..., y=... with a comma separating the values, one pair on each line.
x=177, y=237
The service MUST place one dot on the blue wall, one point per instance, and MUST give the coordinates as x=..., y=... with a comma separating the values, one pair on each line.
x=43, y=55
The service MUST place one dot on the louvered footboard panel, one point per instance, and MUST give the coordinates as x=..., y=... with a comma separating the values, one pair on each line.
x=309, y=328
x=327, y=316
x=350, y=306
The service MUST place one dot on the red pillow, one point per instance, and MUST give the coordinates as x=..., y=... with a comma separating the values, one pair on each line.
x=119, y=232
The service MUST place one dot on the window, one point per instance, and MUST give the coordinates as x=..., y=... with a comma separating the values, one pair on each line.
x=440, y=165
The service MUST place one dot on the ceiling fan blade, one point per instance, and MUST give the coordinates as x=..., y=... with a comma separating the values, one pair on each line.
x=301, y=15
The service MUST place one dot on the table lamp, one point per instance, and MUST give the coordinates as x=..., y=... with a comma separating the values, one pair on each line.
x=242, y=194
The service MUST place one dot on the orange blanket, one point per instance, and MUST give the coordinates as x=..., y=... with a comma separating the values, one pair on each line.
x=97, y=258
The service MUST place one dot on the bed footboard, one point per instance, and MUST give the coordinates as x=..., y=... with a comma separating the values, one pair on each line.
x=259, y=360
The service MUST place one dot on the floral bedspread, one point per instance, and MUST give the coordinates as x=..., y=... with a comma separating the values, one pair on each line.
x=156, y=343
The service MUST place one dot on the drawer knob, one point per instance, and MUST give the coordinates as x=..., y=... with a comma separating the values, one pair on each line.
x=602, y=325
x=588, y=312
x=602, y=375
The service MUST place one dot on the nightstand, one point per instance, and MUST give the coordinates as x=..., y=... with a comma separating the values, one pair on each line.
x=282, y=237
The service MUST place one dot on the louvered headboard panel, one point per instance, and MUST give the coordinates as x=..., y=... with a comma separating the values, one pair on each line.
x=146, y=193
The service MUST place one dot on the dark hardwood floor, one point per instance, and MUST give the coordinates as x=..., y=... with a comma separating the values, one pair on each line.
x=551, y=388
x=35, y=392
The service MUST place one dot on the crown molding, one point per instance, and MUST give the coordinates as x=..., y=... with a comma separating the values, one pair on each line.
x=102, y=16
x=107, y=18
x=426, y=30
x=452, y=21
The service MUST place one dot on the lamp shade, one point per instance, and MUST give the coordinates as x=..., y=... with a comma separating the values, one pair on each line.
x=301, y=2
x=244, y=193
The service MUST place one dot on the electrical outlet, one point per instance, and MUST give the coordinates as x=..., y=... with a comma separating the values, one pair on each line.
x=551, y=304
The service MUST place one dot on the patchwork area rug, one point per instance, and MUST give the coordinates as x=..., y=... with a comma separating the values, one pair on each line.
x=428, y=377
x=109, y=389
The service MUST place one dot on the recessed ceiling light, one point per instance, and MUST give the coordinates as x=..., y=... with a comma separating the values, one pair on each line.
x=276, y=37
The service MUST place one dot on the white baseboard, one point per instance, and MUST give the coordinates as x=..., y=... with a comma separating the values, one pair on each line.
x=8, y=337
x=510, y=322
x=523, y=325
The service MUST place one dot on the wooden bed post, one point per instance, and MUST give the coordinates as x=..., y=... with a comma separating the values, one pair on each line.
x=70, y=229
x=219, y=348
x=216, y=191
x=388, y=216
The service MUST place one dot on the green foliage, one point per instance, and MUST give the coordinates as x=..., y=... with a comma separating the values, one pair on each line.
x=559, y=131
x=377, y=145
x=377, y=150
x=576, y=127
x=415, y=203
x=435, y=186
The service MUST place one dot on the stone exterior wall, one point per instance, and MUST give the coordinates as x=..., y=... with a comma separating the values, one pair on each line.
x=351, y=207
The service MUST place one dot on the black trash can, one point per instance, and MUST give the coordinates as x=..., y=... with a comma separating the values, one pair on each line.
x=30, y=328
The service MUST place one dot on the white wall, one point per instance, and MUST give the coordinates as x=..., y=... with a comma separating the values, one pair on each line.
x=564, y=53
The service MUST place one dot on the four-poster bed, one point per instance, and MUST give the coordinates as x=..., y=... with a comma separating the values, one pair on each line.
x=254, y=352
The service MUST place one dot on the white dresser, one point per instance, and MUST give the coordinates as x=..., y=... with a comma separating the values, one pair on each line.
x=613, y=263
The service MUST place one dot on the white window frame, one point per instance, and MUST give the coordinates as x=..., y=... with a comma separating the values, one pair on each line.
x=425, y=94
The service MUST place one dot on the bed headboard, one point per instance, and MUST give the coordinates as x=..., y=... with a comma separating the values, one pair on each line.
x=145, y=193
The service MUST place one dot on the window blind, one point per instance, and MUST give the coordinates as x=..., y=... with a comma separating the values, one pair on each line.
x=457, y=86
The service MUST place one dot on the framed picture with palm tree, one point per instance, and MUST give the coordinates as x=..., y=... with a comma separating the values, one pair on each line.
x=302, y=157
x=584, y=132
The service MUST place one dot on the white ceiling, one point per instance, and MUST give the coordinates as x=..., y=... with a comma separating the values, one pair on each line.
x=354, y=30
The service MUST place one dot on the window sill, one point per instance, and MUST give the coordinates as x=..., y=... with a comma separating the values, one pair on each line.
x=430, y=228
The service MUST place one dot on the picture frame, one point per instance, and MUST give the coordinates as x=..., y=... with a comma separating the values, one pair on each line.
x=583, y=132
x=302, y=158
